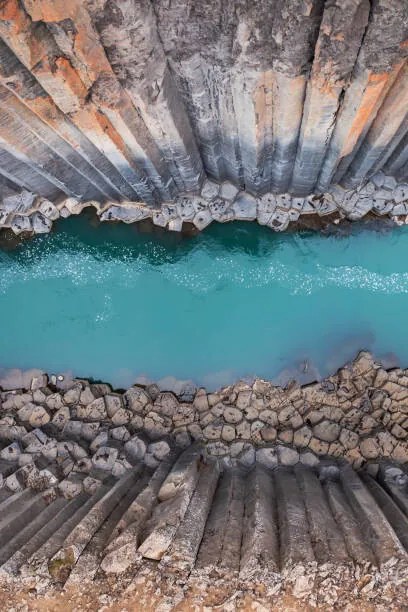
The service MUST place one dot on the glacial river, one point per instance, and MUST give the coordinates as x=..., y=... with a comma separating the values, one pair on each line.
x=236, y=301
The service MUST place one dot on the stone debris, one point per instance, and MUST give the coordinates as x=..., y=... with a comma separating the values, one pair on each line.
x=219, y=202
x=359, y=414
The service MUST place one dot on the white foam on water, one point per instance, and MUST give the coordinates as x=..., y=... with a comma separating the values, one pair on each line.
x=200, y=270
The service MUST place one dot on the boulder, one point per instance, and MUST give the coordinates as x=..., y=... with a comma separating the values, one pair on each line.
x=270, y=417
x=228, y=433
x=11, y=452
x=200, y=402
x=166, y=403
x=247, y=457
x=348, y=438
x=48, y=209
x=159, y=449
x=269, y=434
x=175, y=225
x=287, y=456
x=136, y=448
x=105, y=457
x=120, y=433
x=267, y=457
x=369, y=448
x=302, y=436
x=228, y=191
x=21, y=224
x=309, y=459
x=122, y=417
x=327, y=431
x=95, y=411
x=136, y=399
x=213, y=431
x=202, y=219
x=400, y=193
x=318, y=446
x=210, y=189
x=245, y=207
x=113, y=402
x=185, y=210
x=40, y=224
x=232, y=415
x=86, y=397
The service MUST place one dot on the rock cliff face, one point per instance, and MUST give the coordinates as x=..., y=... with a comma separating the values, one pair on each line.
x=249, y=491
x=141, y=100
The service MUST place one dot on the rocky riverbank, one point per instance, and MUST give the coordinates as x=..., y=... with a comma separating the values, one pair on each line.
x=360, y=414
x=27, y=214
x=254, y=494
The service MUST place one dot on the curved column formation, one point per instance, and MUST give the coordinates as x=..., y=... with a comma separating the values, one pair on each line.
x=122, y=100
x=291, y=488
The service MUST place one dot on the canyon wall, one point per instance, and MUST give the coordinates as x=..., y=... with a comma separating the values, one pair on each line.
x=140, y=100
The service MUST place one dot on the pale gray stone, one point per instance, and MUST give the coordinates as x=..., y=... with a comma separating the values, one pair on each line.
x=185, y=211
x=348, y=438
x=400, y=193
x=210, y=189
x=247, y=457
x=89, y=431
x=326, y=431
x=40, y=224
x=175, y=225
x=202, y=219
x=136, y=448
x=113, y=403
x=159, y=449
x=48, y=209
x=86, y=396
x=120, y=433
x=122, y=417
x=228, y=191
x=105, y=457
x=136, y=399
x=267, y=457
x=20, y=224
x=166, y=403
x=232, y=415
x=369, y=448
x=11, y=452
x=302, y=436
x=213, y=431
x=309, y=459
x=95, y=411
x=228, y=433
x=287, y=456
x=245, y=207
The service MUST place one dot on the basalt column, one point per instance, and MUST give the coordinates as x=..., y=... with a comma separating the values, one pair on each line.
x=141, y=101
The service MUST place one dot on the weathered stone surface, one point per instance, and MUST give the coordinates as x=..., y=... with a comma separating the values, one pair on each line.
x=94, y=411
x=369, y=448
x=326, y=431
x=136, y=399
x=287, y=456
x=267, y=457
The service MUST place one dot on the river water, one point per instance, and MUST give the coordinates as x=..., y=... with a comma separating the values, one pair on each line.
x=235, y=301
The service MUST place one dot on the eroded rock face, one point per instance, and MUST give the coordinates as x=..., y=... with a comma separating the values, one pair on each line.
x=141, y=101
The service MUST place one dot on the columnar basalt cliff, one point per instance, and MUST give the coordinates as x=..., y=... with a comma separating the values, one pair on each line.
x=140, y=101
x=251, y=489
x=293, y=113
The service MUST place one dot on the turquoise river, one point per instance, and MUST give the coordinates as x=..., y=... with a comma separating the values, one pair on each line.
x=238, y=300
